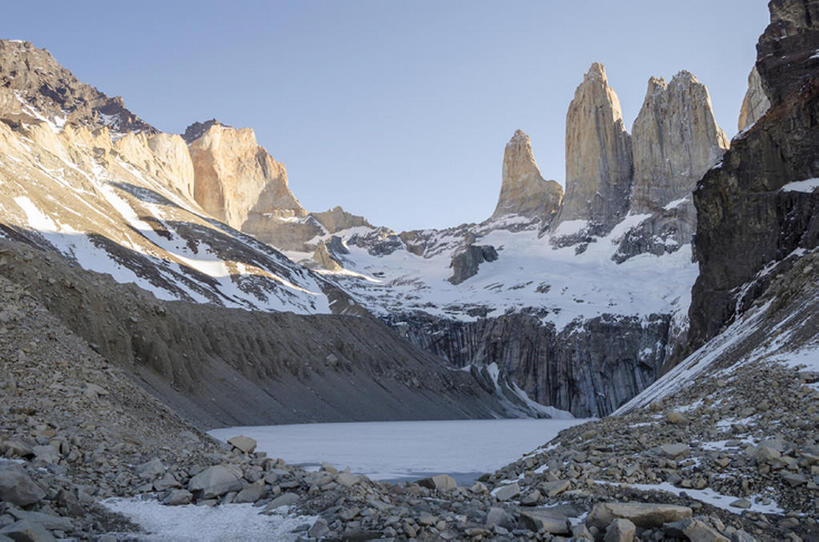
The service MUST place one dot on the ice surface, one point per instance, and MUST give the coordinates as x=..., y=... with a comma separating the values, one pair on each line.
x=206, y=524
x=405, y=450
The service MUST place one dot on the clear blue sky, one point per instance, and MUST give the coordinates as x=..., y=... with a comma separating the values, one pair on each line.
x=397, y=110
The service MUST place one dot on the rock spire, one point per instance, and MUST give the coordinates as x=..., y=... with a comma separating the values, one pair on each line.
x=675, y=140
x=598, y=156
x=523, y=189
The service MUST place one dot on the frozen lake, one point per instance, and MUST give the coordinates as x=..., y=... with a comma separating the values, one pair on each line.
x=397, y=451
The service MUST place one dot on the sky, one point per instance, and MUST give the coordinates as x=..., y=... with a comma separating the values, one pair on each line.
x=396, y=110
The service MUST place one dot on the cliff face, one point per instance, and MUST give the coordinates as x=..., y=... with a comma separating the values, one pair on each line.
x=588, y=368
x=524, y=192
x=238, y=182
x=598, y=157
x=675, y=139
x=752, y=223
x=755, y=103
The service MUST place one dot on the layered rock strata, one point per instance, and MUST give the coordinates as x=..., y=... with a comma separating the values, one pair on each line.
x=524, y=191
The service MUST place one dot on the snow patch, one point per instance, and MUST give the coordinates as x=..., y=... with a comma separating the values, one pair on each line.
x=192, y=523
x=807, y=186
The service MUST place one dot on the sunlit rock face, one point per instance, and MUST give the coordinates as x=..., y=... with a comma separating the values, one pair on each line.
x=675, y=140
x=238, y=182
x=755, y=103
x=523, y=190
x=598, y=156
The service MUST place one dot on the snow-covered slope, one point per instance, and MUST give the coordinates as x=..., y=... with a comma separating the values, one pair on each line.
x=558, y=284
x=530, y=275
x=110, y=205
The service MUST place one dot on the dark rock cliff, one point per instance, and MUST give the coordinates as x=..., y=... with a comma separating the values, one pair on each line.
x=588, y=368
x=747, y=225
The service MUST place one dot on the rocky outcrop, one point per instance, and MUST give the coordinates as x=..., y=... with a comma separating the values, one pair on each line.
x=171, y=150
x=524, y=192
x=748, y=226
x=337, y=219
x=33, y=84
x=755, y=103
x=198, y=129
x=598, y=157
x=675, y=140
x=325, y=260
x=238, y=182
x=666, y=230
x=465, y=263
x=588, y=368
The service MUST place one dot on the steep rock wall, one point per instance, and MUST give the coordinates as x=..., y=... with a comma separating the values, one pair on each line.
x=588, y=368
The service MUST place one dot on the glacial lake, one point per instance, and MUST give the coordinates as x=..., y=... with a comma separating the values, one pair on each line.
x=397, y=451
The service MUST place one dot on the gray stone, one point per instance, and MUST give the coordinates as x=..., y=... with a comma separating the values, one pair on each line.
x=742, y=536
x=150, y=469
x=177, y=497
x=347, y=479
x=504, y=493
x=531, y=498
x=27, y=531
x=17, y=487
x=319, y=529
x=252, y=493
x=794, y=479
x=214, y=482
x=547, y=520
x=741, y=503
x=440, y=482
x=620, y=530
x=49, y=521
x=285, y=499
x=694, y=530
x=166, y=482
x=46, y=454
x=243, y=443
x=643, y=515
x=499, y=517
x=674, y=450
x=555, y=487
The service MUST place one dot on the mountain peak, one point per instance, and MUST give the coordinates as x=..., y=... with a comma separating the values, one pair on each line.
x=197, y=129
x=34, y=84
x=523, y=190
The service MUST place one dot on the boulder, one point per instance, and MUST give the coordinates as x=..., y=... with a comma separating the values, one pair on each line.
x=177, y=497
x=504, y=493
x=243, y=443
x=693, y=530
x=620, y=530
x=27, y=531
x=17, y=487
x=440, y=482
x=546, y=520
x=150, y=469
x=643, y=515
x=252, y=493
x=285, y=499
x=214, y=482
